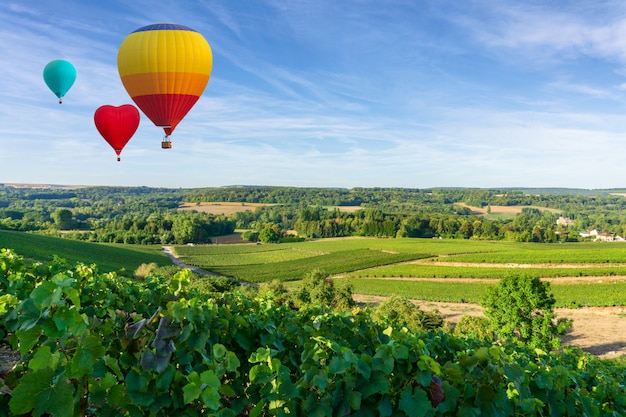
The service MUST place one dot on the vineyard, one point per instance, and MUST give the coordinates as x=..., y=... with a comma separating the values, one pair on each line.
x=567, y=295
x=109, y=257
x=582, y=274
x=90, y=343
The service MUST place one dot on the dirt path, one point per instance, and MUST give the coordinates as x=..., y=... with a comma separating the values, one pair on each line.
x=598, y=330
x=178, y=262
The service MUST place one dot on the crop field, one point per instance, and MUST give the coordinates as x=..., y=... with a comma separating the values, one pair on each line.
x=494, y=271
x=581, y=274
x=224, y=208
x=108, y=257
x=288, y=262
x=253, y=258
x=567, y=295
x=531, y=253
x=503, y=211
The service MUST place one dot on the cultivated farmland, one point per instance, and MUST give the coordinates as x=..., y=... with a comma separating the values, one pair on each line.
x=108, y=257
x=588, y=280
x=223, y=208
x=582, y=274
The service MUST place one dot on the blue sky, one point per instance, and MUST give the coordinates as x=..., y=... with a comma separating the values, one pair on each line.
x=327, y=93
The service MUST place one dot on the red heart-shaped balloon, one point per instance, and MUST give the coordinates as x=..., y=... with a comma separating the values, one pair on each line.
x=117, y=124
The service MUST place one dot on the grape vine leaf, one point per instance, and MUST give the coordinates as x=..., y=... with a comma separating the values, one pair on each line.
x=28, y=338
x=44, y=358
x=40, y=392
x=86, y=356
x=414, y=402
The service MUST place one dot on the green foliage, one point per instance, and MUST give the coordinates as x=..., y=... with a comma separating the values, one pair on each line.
x=144, y=270
x=400, y=312
x=250, y=235
x=473, y=326
x=63, y=219
x=276, y=291
x=101, y=344
x=141, y=215
x=270, y=233
x=319, y=290
x=522, y=308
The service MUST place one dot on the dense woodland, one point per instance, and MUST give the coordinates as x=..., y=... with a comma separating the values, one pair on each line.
x=143, y=215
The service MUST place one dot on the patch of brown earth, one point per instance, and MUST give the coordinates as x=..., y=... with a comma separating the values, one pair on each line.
x=600, y=331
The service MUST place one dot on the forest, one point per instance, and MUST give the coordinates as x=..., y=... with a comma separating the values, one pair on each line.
x=144, y=215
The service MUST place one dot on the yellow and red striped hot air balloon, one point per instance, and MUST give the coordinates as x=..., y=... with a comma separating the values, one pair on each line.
x=165, y=68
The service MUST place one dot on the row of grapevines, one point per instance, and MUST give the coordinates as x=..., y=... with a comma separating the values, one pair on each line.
x=98, y=344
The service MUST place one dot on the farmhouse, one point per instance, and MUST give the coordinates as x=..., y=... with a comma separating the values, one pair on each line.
x=564, y=221
x=590, y=233
x=606, y=237
x=602, y=236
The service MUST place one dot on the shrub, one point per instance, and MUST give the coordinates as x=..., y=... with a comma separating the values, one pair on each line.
x=319, y=290
x=522, y=308
x=250, y=235
x=473, y=326
x=399, y=311
x=275, y=290
x=144, y=270
x=206, y=284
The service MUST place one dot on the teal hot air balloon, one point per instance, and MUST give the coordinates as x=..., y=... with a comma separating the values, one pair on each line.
x=59, y=75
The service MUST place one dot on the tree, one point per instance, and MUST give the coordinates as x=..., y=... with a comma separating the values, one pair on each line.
x=319, y=290
x=270, y=233
x=522, y=308
x=63, y=218
x=400, y=312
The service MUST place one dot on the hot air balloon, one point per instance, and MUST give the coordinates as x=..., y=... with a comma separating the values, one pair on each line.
x=59, y=75
x=117, y=124
x=165, y=68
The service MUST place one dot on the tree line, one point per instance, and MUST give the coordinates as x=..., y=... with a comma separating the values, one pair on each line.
x=143, y=215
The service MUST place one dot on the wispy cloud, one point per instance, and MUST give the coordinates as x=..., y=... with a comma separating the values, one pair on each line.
x=330, y=93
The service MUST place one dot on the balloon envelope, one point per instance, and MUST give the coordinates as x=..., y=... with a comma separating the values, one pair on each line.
x=59, y=76
x=165, y=67
x=117, y=124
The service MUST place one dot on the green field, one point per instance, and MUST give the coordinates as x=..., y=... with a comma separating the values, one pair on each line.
x=370, y=257
x=477, y=271
x=368, y=263
x=108, y=257
x=533, y=253
x=567, y=295
x=257, y=263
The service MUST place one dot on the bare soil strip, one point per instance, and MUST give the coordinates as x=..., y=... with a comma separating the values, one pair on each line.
x=556, y=281
x=515, y=265
x=600, y=331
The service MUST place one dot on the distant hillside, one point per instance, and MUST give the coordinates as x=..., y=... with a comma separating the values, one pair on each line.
x=108, y=257
x=526, y=190
x=543, y=191
x=567, y=191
